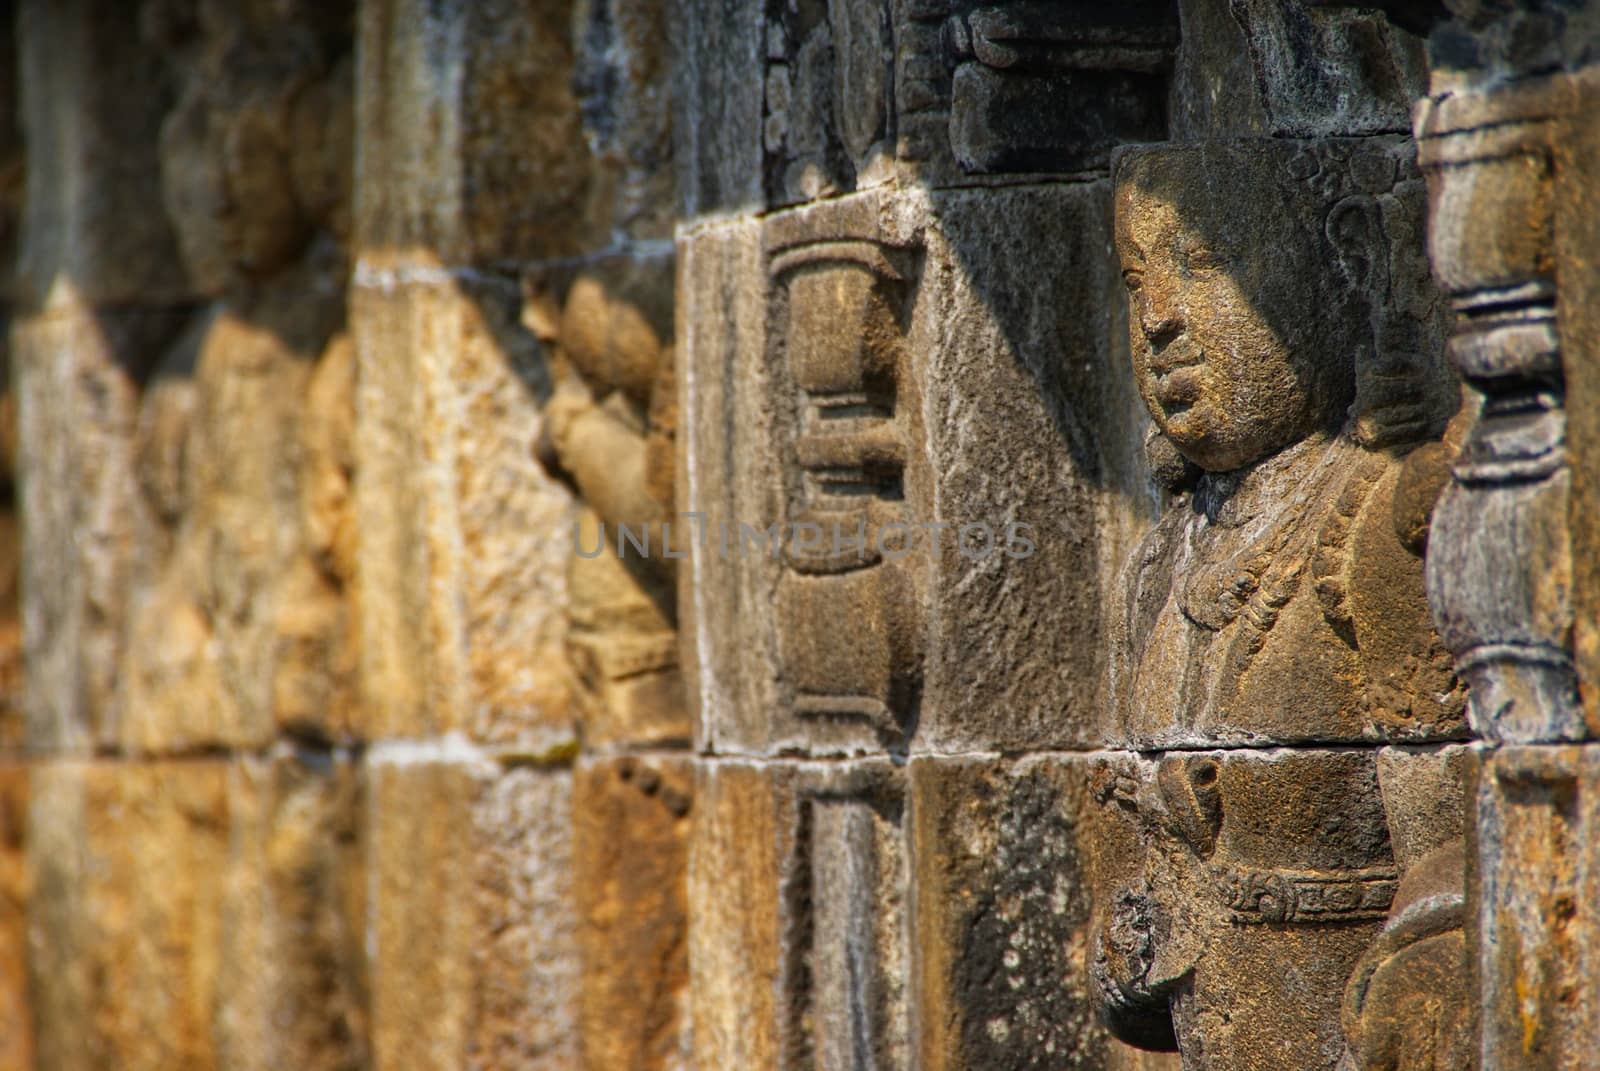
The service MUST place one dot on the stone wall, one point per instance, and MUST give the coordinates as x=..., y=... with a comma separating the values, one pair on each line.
x=798, y=535
x=317, y=770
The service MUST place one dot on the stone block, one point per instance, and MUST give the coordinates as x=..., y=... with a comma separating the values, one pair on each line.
x=1002, y=930
x=717, y=91
x=472, y=126
x=1213, y=79
x=741, y=839
x=1331, y=70
x=16, y=1005
x=13, y=164
x=130, y=875
x=1034, y=422
x=721, y=325
x=392, y=498
x=198, y=913
x=878, y=379
x=13, y=711
x=78, y=372
x=292, y=981
x=798, y=895
x=630, y=837
x=1535, y=883
x=464, y=539
x=1577, y=232
x=473, y=927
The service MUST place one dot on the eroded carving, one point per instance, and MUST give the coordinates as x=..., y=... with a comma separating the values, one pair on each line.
x=245, y=459
x=609, y=429
x=828, y=120
x=1288, y=361
x=954, y=86
x=1055, y=87
x=1284, y=340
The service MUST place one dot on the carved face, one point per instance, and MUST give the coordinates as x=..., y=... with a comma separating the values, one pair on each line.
x=1229, y=348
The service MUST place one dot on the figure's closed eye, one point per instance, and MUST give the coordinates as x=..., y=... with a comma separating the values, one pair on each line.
x=1132, y=278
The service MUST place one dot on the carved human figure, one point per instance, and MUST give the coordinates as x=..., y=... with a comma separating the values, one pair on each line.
x=244, y=454
x=1283, y=341
x=609, y=428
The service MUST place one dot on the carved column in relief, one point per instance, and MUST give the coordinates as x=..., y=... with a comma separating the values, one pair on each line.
x=1500, y=562
x=1282, y=331
x=1499, y=570
x=849, y=629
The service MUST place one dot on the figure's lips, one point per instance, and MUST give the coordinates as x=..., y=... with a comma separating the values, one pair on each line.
x=1181, y=352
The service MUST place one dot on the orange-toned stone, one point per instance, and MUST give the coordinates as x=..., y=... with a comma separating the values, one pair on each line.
x=630, y=847
x=16, y=1012
x=472, y=932
x=463, y=538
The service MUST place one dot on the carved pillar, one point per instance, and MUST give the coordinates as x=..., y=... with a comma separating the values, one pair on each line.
x=1499, y=564
x=1499, y=158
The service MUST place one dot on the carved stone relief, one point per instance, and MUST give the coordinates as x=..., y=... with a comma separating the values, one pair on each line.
x=848, y=619
x=1334, y=68
x=908, y=517
x=241, y=625
x=856, y=93
x=1502, y=159
x=609, y=428
x=1284, y=340
x=1055, y=87
x=1292, y=395
x=817, y=908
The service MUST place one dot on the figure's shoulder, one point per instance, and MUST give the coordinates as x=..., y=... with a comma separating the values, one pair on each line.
x=1152, y=559
x=1145, y=580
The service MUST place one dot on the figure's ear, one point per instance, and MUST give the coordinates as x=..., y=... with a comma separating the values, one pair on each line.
x=1355, y=230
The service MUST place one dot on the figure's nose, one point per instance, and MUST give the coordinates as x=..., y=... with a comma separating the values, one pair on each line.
x=1160, y=318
